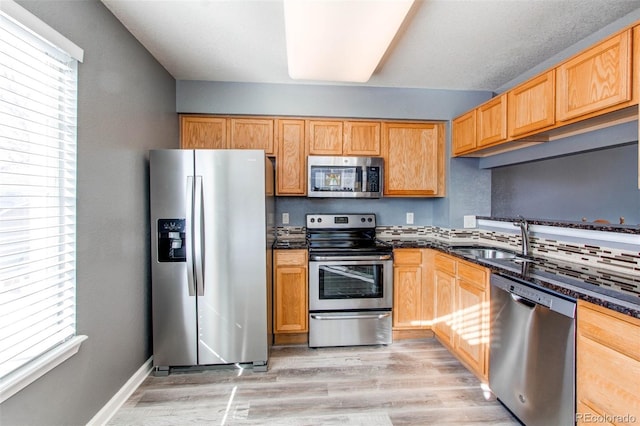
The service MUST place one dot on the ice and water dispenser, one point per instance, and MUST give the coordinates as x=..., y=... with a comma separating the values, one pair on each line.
x=172, y=242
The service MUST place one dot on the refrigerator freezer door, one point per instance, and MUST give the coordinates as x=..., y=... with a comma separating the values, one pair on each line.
x=174, y=311
x=232, y=312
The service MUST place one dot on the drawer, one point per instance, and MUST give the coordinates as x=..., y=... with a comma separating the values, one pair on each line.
x=472, y=273
x=618, y=331
x=290, y=257
x=446, y=263
x=407, y=257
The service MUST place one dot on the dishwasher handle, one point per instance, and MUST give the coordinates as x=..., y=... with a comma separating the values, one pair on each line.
x=526, y=302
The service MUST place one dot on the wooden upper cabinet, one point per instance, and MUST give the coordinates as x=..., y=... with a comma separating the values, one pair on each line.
x=361, y=138
x=413, y=159
x=464, y=133
x=324, y=137
x=531, y=105
x=291, y=160
x=202, y=132
x=491, y=122
x=252, y=133
x=598, y=78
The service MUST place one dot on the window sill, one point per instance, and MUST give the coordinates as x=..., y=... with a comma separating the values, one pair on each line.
x=31, y=372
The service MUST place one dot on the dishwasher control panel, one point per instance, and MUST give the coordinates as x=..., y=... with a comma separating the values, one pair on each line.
x=530, y=294
x=554, y=301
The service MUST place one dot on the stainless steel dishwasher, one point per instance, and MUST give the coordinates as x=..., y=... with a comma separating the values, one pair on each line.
x=532, y=352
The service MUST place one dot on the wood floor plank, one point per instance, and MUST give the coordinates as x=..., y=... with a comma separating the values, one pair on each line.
x=414, y=382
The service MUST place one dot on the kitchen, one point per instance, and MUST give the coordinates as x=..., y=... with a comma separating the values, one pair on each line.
x=128, y=106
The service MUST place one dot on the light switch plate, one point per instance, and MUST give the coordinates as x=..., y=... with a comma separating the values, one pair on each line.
x=285, y=218
x=469, y=221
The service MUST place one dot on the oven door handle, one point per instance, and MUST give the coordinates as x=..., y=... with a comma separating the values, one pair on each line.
x=343, y=317
x=343, y=258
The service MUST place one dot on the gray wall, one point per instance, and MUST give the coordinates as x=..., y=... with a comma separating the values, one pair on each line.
x=597, y=185
x=126, y=106
x=358, y=102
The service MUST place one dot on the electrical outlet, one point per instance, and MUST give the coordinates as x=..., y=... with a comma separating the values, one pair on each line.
x=285, y=218
x=469, y=221
x=409, y=218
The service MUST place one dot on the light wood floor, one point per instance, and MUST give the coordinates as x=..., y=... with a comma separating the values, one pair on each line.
x=411, y=382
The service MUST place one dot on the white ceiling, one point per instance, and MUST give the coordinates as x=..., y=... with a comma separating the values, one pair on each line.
x=443, y=44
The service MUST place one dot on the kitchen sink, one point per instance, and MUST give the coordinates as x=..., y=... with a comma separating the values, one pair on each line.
x=487, y=253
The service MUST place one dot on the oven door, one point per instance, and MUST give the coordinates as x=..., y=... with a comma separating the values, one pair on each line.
x=350, y=283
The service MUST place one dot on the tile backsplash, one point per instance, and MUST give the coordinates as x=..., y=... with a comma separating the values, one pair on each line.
x=588, y=254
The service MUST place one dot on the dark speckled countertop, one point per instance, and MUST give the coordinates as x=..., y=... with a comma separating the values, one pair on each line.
x=613, y=290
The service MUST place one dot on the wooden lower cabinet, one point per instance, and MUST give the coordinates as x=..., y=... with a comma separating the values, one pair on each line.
x=412, y=289
x=472, y=317
x=461, y=312
x=291, y=308
x=607, y=366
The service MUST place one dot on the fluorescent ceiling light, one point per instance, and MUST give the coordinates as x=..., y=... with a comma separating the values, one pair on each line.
x=340, y=40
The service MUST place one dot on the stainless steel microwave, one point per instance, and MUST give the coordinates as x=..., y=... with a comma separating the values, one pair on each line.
x=344, y=177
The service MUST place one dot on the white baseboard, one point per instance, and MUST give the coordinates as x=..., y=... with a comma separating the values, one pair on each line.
x=114, y=404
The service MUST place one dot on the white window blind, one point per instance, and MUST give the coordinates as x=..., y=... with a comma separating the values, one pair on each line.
x=38, y=97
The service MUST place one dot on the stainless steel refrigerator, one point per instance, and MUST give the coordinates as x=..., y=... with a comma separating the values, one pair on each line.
x=211, y=235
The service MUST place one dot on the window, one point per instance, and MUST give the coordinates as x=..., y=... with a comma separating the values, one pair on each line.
x=38, y=97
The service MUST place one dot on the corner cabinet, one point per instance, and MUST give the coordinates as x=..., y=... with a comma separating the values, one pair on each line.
x=482, y=127
x=291, y=309
x=607, y=365
x=463, y=137
x=414, y=158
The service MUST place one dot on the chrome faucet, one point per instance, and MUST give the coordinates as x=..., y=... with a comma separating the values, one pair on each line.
x=524, y=232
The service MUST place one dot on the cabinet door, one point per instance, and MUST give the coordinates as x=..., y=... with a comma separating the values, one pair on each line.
x=531, y=105
x=291, y=309
x=607, y=363
x=471, y=334
x=201, y=132
x=252, y=133
x=324, y=137
x=407, y=288
x=444, y=288
x=596, y=79
x=464, y=133
x=291, y=171
x=491, y=122
x=361, y=138
x=413, y=159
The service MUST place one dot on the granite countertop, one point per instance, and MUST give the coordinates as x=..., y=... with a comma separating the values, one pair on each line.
x=611, y=289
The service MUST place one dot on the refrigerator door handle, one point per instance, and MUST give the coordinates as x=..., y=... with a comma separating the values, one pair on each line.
x=189, y=235
x=198, y=254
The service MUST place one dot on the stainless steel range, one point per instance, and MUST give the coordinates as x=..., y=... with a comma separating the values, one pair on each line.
x=350, y=281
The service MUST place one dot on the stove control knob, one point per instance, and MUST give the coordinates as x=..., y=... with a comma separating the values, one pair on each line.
x=362, y=219
x=319, y=219
x=312, y=220
x=369, y=220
